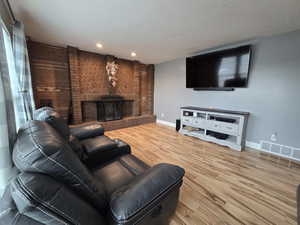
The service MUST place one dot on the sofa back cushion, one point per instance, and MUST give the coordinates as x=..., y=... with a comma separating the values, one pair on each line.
x=40, y=149
x=43, y=199
x=53, y=118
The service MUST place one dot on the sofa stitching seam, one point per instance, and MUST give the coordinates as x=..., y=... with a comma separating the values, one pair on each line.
x=6, y=211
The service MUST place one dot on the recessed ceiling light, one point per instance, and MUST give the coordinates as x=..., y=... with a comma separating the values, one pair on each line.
x=99, y=45
x=133, y=54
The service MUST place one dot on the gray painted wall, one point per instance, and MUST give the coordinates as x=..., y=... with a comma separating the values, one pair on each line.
x=272, y=97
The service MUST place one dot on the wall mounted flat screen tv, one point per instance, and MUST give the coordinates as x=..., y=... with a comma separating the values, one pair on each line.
x=219, y=70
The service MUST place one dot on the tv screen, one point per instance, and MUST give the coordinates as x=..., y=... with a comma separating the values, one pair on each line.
x=222, y=69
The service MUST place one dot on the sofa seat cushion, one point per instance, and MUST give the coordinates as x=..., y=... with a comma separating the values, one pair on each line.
x=96, y=145
x=120, y=172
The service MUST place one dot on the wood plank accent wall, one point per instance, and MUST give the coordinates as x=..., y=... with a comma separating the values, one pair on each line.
x=75, y=84
x=50, y=76
x=83, y=75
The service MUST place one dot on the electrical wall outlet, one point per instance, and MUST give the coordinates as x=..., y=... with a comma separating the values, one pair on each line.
x=162, y=115
x=274, y=137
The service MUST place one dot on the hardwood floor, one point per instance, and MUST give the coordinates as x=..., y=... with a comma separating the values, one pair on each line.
x=221, y=186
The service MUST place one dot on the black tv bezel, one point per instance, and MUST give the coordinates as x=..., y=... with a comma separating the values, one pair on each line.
x=222, y=88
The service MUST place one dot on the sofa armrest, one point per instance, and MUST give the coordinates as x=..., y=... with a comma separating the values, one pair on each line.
x=98, y=156
x=144, y=190
x=83, y=131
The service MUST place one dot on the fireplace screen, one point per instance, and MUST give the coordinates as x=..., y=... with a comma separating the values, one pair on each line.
x=110, y=108
x=107, y=108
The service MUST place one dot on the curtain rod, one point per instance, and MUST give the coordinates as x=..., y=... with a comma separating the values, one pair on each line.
x=11, y=13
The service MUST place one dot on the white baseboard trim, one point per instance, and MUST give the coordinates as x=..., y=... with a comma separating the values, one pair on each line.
x=253, y=145
x=166, y=123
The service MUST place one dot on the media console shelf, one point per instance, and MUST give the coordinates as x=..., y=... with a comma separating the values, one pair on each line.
x=223, y=127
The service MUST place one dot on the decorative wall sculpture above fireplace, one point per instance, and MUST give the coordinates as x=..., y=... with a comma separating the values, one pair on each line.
x=112, y=69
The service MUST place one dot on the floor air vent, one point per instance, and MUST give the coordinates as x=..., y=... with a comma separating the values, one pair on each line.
x=281, y=150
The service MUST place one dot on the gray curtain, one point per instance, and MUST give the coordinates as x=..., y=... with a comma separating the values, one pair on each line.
x=21, y=83
x=7, y=121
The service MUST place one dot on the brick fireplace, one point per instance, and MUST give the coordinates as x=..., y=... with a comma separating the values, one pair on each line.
x=72, y=81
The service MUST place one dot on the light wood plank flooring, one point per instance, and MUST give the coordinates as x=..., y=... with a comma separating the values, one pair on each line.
x=221, y=186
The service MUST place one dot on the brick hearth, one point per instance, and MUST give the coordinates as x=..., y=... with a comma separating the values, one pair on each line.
x=127, y=122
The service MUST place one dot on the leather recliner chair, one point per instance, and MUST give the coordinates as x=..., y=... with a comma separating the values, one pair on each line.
x=55, y=187
x=87, y=139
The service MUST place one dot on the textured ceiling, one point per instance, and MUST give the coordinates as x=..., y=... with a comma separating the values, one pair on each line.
x=157, y=30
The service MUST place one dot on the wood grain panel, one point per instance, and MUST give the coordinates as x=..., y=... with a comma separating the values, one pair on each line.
x=50, y=76
x=221, y=186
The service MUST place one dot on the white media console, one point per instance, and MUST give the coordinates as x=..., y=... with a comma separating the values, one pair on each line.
x=223, y=127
